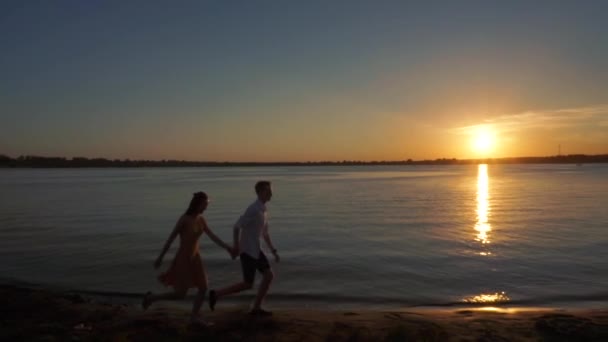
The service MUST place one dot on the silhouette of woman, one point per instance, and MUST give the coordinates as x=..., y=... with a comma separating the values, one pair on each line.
x=187, y=269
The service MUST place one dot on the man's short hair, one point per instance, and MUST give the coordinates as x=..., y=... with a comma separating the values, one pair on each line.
x=261, y=185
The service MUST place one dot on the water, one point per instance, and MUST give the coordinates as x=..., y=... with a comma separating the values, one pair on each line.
x=379, y=236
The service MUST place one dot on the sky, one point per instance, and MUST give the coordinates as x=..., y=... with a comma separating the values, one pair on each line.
x=303, y=80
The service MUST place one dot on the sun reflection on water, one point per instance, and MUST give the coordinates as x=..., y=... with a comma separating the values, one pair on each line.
x=483, y=228
x=498, y=297
x=483, y=206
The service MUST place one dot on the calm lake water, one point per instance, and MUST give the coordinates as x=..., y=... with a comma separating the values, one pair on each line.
x=379, y=236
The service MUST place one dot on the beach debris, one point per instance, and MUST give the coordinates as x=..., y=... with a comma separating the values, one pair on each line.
x=75, y=298
x=569, y=326
x=83, y=327
x=392, y=315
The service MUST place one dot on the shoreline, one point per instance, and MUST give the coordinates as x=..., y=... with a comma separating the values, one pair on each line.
x=53, y=315
x=595, y=301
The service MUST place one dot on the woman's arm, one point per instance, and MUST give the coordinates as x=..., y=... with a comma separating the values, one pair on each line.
x=214, y=237
x=218, y=241
x=168, y=243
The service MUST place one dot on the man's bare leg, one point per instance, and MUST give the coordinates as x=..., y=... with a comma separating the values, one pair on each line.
x=214, y=295
x=263, y=290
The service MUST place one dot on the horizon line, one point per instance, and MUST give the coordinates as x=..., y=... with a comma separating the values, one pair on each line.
x=406, y=160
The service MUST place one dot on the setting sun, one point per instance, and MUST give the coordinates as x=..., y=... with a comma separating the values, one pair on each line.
x=483, y=140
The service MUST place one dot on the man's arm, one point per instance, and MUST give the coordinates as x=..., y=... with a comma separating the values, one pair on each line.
x=268, y=241
x=240, y=224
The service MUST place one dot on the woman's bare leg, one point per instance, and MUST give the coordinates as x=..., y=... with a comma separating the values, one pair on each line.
x=198, y=301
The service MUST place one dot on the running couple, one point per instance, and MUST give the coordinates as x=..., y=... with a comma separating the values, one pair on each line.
x=188, y=270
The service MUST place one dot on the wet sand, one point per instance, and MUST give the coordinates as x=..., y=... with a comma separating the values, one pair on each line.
x=46, y=315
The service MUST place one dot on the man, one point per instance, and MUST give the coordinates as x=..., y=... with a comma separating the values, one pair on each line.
x=252, y=225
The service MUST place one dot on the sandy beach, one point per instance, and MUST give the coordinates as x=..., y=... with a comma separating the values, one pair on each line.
x=45, y=315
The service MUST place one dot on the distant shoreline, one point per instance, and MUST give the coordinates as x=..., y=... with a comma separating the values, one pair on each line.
x=81, y=162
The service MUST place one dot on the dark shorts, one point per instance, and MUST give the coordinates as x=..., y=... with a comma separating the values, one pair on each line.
x=249, y=265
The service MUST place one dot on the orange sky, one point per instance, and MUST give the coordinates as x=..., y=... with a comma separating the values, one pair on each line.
x=303, y=81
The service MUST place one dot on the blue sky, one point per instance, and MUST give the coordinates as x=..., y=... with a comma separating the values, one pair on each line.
x=309, y=80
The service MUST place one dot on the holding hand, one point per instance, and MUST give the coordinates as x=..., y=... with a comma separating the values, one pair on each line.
x=230, y=251
x=235, y=252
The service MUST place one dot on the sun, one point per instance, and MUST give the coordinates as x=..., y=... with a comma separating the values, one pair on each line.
x=483, y=140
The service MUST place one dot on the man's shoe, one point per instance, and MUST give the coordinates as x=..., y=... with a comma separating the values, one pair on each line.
x=212, y=299
x=200, y=322
x=260, y=312
x=146, y=301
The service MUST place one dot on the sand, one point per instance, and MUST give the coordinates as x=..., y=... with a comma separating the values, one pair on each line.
x=46, y=315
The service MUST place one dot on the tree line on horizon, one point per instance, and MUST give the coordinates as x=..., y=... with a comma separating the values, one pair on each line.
x=29, y=161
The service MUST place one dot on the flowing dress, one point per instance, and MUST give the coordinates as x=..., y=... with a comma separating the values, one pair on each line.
x=187, y=269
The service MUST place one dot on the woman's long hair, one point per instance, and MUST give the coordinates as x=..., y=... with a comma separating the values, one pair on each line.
x=195, y=203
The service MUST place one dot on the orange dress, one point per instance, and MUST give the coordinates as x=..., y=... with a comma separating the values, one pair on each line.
x=187, y=269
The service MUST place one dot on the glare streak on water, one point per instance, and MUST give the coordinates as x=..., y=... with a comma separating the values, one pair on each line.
x=400, y=234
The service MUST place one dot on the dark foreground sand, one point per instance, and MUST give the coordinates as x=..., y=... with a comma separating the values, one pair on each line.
x=43, y=315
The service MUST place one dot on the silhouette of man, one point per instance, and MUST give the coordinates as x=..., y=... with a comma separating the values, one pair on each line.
x=248, y=230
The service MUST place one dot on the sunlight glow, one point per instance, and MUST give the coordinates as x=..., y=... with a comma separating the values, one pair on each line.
x=483, y=140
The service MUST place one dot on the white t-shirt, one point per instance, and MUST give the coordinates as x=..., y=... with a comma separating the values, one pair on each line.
x=253, y=223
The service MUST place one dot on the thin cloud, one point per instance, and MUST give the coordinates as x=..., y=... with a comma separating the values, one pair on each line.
x=546, y=119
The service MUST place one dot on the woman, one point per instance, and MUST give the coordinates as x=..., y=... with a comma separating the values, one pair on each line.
x=187, y=269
